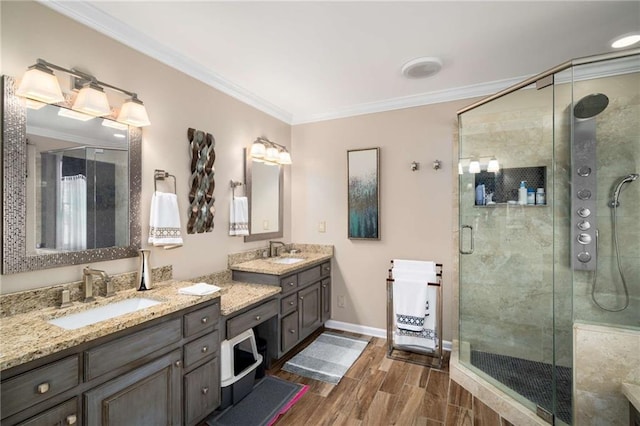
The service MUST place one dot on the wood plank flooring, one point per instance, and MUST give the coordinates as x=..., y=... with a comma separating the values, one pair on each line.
x=380, y=391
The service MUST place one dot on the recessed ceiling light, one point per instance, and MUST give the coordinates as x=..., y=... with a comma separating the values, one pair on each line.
x=422, y=67
x=625, y=40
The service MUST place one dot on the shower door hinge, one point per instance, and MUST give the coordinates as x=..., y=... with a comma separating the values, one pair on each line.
x=544, y=414
x=544, y=82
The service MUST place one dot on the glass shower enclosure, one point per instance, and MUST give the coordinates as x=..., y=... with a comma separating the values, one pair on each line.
x=549, y=207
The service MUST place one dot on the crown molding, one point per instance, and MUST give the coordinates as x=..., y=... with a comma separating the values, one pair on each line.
x=94, y=18
x=464, y=92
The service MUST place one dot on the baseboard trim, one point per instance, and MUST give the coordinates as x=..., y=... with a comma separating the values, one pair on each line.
x=369, y=331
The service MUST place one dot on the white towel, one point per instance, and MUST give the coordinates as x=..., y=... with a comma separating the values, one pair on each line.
x=239, y=216
x=199, y=289
x=415, y=303
x=164, y=221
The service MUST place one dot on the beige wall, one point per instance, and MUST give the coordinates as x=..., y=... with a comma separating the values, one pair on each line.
x=175, y=102
x=416, y=216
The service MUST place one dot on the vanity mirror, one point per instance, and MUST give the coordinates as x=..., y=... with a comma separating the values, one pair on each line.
x=264, y=188
x=71, y=189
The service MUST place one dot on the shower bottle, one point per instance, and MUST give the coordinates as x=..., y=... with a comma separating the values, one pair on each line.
x=522, y=193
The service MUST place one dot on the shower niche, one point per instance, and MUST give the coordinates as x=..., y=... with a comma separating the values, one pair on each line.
x=501, y=188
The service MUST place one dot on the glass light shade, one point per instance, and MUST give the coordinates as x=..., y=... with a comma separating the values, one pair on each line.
x=76, y=115
x=474, y=167
x=285, y=158
x=41, y=85
x=92, y=100
x=460, y=172
x=493, y=166
x=258, y=150
x=134, y=113
x=272, y=155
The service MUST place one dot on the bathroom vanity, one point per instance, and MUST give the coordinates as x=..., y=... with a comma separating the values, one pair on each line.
x=160, y=371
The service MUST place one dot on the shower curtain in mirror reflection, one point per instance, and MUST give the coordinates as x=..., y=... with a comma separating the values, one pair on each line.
x=363, y=194
x=71, y=223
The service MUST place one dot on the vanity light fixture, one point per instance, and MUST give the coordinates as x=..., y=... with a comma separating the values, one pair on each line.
x=41, y=84
x=474, y=166
x=493, y=165
x=271, y=153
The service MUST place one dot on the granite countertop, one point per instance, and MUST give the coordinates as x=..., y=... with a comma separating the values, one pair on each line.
x=632, y=392
x=28, y=336
x=268, y=266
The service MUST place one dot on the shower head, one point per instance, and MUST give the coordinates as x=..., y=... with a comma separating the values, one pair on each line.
x=590, y=106
x=616, y=192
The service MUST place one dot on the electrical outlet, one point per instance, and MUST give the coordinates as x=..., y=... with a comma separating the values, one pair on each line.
x=341, y=302
x=322, y=226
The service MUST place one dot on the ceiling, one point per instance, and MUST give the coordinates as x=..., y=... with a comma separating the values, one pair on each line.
x=313, y=60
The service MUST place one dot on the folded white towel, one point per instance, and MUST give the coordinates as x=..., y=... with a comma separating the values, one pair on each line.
x=426, y=337
x=164, y=221
x=199, y=289
x=410, y=304
x=418, y=266
x=239, y=216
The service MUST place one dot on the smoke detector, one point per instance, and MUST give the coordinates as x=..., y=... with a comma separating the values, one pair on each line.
x=422, y=67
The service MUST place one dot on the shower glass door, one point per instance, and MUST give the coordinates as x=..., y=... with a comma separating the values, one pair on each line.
x=507, y=246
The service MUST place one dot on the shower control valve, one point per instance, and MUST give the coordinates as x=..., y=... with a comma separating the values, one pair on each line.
x=584, y=257
x=584, y=194
x=584, y=238
x=583, y=225
x=584, y=212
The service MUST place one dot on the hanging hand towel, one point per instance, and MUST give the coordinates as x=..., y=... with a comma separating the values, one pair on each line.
x=410, y=304
x=426, y=337
x=164, y=221
x=239, y=216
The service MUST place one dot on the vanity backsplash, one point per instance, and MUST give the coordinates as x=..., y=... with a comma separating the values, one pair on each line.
x=245, y=256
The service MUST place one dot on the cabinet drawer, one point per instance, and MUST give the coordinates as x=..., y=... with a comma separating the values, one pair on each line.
x=201, y=348
x=120, y=352
x=288, y=304
x=201, y=391
x=38, y=385
x=289, y=283
x=326, y=269
x=66, y=413
x=202, y=319
x=251, y=318
x=309, y=276
x=289, y=330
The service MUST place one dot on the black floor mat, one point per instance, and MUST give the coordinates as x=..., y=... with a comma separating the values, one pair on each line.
x=531, y=379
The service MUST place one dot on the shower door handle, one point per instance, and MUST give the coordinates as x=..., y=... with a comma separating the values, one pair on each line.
x=470, y=251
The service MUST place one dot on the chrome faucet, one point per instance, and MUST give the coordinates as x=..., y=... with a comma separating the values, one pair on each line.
x=87, y=283
x=272, y=244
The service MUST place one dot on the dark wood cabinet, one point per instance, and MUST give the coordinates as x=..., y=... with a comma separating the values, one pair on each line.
x=326, y=299
x=309, y=309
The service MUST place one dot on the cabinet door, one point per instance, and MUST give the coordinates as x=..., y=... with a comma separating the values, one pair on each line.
x=201, y=391
x=326, y=300
x=149, y=395
x=289, y=331
x=309, y=309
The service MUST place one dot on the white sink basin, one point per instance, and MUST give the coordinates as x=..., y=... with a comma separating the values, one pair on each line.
x=287, y=260
x=101, y=313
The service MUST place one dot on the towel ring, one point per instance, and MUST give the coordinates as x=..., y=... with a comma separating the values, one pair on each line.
x=162, y=175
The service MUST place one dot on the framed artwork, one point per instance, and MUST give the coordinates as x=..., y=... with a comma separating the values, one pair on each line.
x=363, y=193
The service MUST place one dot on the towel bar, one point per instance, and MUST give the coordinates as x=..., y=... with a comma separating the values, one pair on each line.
x=162, y=175
x=430, y=358
x=234, y=185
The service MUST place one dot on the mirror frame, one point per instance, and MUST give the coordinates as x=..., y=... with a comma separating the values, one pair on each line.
x=14, y=209
x=247, y=181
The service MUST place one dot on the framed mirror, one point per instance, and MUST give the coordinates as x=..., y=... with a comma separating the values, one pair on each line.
x=264, y=188
x=71, y=188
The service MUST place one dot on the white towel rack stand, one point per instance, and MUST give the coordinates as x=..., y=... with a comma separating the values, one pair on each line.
x=416, y=355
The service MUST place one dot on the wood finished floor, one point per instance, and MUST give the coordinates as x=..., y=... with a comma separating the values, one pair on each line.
x=380, y=391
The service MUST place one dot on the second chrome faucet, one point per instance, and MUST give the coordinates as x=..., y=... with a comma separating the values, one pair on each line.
x=87, y=283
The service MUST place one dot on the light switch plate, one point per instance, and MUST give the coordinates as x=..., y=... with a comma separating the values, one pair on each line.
x=322, y=226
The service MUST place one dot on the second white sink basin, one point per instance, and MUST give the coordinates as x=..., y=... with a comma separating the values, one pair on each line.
x=102, y=313
x=287, y=260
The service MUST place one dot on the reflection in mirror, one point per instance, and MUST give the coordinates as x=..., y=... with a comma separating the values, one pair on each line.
x=72, y=186
x=264, y=186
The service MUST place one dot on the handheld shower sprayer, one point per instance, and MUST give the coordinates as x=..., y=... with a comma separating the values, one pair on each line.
x=616, y=192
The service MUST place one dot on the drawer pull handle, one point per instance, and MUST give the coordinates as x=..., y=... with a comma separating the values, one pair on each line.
x=292, y=303
x=257, y=317
x=292, y=331
x=43, y=388
x=205, y=349
x=178, y=364
x=204, y=320
x=301, y=298
x=71, y=419
x=205, y=390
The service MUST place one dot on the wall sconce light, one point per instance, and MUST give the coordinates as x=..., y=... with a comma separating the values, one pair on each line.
x=265, y=151
x=40, y=83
